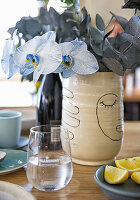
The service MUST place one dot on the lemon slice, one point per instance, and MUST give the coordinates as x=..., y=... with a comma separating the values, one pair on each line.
x=114, y=175
x=130, y=164
x=2, y=155
x=136, y=177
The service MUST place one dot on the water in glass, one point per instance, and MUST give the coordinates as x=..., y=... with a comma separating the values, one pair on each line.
x=51, y=168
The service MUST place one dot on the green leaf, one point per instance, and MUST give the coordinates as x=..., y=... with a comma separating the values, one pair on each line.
x=100, y=23
x=112, y=40
x=126, y=37
x=84, y=13
x=84, y=25
x=122, y=21
x=103, y=68
x=96, y=48
x=68, y=2
x=96, y=35
x=136, y=43
x=113, y=65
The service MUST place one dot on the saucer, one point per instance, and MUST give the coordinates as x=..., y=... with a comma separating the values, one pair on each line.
x=14, y=160
x=23, y=141
x=129, y=190
x=10, y=191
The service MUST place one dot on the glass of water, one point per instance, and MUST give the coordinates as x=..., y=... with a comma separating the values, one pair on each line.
x=49, y=163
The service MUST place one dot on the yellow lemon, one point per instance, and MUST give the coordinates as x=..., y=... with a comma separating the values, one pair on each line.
x=136, y=177
x=130, y=164
x=2, y=155
x=114, y=175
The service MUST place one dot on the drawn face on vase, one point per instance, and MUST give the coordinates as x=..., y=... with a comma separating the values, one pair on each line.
x=109, y=117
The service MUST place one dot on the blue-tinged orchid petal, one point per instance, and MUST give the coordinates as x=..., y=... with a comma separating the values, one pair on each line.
x=50, y=57
x=33, y=46
x=59, y=69
x=50, y=35
x=26, y=69
x=41, y=55
x=32, y=60
x=68, y=73
x=85, y=63
x=36, y=76
x=66, y=48
x=13, y=69
x=78, y=46
x=66, y=64
x=77, y=59
x=5, y=56
x=7, y=63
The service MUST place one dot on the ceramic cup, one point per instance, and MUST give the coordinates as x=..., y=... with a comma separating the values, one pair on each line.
x=10, y=128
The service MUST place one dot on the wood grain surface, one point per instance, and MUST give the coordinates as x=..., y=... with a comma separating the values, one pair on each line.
x=82, y=185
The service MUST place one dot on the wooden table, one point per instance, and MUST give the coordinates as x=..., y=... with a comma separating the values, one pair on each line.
x=82, y=185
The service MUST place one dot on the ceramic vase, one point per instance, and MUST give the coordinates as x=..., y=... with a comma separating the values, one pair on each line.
x=92, y=111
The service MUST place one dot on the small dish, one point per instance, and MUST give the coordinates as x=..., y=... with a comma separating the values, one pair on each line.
x=129, y=190
x=14, y=160
x=10, y=191
x=2, y=155
x=22, y=142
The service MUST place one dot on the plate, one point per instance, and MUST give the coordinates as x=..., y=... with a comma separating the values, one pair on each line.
x=14, y=160
x=10, y=191
x=23, y=141
x=129, y=190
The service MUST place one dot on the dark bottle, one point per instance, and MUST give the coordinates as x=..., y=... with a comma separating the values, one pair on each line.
x=49, y=103
x=49, y=109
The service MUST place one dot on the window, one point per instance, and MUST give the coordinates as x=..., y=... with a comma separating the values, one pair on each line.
x=13, y=92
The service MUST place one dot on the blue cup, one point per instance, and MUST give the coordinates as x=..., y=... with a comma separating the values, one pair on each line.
x=10, y=128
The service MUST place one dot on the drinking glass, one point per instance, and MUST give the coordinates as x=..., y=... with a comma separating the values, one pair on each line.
x=49, y=163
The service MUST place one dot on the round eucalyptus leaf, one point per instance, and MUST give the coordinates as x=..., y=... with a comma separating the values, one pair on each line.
x=100, y=22
x=84, y=13
x=114, y=65
x=96, y=35
x=33, y=27
x=122, y=21
x=96, y=48
x=133, y=26
x=112, y=40
x=136, y=43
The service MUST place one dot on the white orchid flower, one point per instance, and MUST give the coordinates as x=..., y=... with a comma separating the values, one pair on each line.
x=76, y=59
x=41, y=55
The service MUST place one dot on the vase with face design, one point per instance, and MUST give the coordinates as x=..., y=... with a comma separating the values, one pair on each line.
x=93, y=114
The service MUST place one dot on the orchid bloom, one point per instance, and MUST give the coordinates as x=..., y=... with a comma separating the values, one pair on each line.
x=76, y=59
x=7, y=63
x=41, y=55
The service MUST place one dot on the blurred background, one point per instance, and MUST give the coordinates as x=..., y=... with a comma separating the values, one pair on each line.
x=17, y=94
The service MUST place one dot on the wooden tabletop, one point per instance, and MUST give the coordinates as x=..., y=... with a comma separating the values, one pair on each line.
x=82, y=185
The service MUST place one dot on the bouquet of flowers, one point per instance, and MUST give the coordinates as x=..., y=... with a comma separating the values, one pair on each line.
x=67, y=43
